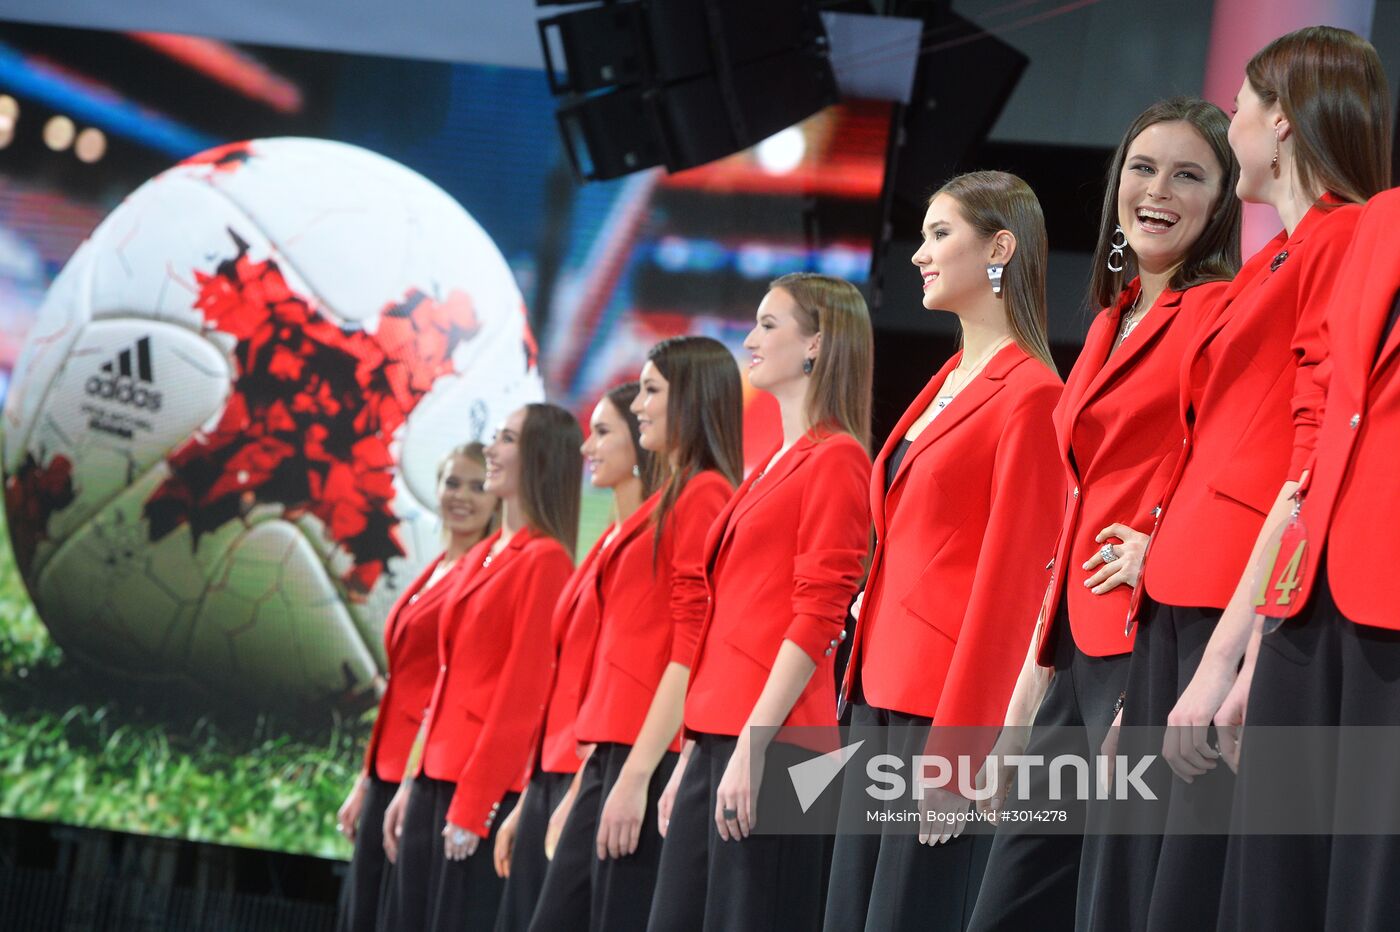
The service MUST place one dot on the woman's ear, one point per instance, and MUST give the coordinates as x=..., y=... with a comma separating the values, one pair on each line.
x=1003, y=247
x=814, y=345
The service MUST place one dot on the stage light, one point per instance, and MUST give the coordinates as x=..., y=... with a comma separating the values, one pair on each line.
x=9, y=116
x=782, y=152
x=91, y=145
x=684, y=82
x=58, y=133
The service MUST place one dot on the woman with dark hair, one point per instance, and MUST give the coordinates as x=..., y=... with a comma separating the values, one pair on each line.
x=968, y=483
x=652, y=594
x=783, y=561
x=1312, y=132
x=1169, y=236
x=494, y=652
x=467, y=512
x=617, y=462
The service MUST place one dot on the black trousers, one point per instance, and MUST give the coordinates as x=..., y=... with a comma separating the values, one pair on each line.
x=362, y=897
x=584, y=892
x=1154, y=874
x=889, y=881
x=1031, y=881
x=527, y=862
x=1318, y=669
x=764, y=883
x=431, y=892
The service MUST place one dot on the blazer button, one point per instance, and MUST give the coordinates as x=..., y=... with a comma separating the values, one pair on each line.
x=1355, y=419
x=828, y=651
x=1076, y=491
x=442, y=669
x=843, y=634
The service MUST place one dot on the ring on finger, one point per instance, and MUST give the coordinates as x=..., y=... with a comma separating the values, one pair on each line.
x=1108, y=552
x=730, y=815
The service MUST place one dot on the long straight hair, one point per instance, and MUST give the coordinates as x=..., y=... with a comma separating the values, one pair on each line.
x=621, y=398
x=551, y=472
x=994, y=201
x=1331, y=87
x=838, y=390
x=1215, y=255
x=704, y=417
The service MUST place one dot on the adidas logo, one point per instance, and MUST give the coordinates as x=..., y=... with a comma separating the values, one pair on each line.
x=125, y=377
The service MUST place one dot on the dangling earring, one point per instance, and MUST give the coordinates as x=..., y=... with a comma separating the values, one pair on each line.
x=1273, y=165
x=636, y=471
x=807, y=366
x=994, y=276
x=1116, y=244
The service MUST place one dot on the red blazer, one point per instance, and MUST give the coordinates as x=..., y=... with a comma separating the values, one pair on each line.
x=785, y=558
x=496, y=666
x=1352, y=499
x=411, y=646
x=641, y=617
x=574, y=632
x=961, y=537
x=1253, y=408
x=1120, y=434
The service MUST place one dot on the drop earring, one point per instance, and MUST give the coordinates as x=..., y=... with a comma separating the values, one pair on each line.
x=1116, y=244
x=636, y=471
x=1273, y=164
x=807, y=366
x=994, y=276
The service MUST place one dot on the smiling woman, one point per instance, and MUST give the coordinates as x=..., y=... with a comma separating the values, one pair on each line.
x=1168, y=242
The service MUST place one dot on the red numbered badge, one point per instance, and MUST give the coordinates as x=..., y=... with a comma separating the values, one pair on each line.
x=1279, y=584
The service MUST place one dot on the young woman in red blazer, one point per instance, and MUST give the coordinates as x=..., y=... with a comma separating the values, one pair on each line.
x=968, y=484
x=496, y=665
x=410, y=646
x=1169, y=238
x=524, y=844
x=652, y=592
x=1336, y=660
x=1313, y=135
x=784, y=560
x=1314, y=152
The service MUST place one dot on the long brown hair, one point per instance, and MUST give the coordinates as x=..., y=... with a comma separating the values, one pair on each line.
x=476, y=453
x=1331, y=87
x=1215, y=255
x=994, y=201
x=838, y=392
x=551, y=472
x=621, y=398
x=704, y=416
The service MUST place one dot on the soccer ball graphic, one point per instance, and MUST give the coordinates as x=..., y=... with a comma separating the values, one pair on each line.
x=222, y=435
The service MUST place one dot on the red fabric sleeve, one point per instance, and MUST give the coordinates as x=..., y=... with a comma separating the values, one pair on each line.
x=833, y=533
x=504, y=746
x=703, y=498
x=1323, y=262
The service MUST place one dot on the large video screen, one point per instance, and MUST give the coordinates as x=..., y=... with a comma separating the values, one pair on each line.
x=248, y=299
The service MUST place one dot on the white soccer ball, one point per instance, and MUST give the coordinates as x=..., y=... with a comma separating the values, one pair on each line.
x=221, y=438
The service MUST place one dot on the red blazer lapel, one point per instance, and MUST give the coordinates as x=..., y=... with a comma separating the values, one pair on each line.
x=1092, y=360
x=478, y=570
x=982, y=388
x=761, y=483
x=393, y=630
x=1138, y=342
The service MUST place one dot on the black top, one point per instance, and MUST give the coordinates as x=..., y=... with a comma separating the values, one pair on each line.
x=897, y=457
